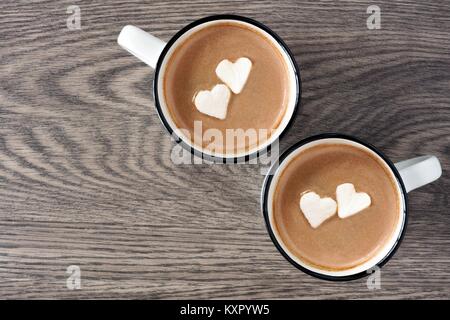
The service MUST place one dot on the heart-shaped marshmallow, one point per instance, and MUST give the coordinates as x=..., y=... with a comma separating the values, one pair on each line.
x=349, y=201
x=316, y=209
x=214, y=103
x=235, y=75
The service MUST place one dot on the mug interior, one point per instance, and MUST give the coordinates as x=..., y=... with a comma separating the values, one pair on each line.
x=380, y=256
x=294, y=89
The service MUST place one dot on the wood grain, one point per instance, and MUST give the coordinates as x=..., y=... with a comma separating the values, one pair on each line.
x=85, y=172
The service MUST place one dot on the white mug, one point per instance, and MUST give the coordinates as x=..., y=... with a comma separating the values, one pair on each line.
x=409, y=175
x=156, y=53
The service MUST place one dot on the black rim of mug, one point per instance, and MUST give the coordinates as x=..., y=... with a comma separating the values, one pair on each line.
x=186, y=144
x=265, y=194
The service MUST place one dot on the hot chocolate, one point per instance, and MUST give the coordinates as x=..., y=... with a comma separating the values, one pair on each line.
x=260, y=105
x=337, y=244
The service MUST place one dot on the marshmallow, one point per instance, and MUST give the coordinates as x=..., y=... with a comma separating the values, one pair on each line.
x=349, y=201
x=234, y=75
x=214, y=103
x=315, y=209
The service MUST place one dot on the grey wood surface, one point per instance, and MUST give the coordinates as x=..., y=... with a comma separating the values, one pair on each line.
x=86, y=177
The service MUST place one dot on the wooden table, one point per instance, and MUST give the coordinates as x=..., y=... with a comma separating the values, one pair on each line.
x=86, y=177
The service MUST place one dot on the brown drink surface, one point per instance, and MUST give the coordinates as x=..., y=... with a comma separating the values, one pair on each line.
x=337, y=244
x=191, y=68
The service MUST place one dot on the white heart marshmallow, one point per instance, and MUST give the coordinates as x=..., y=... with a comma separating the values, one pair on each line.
x=234, y=75
x=349, y=201
x=315, y=209
x=214, y=103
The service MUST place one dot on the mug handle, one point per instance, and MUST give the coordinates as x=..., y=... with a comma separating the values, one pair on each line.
x=419, y=171
x=141, y=44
